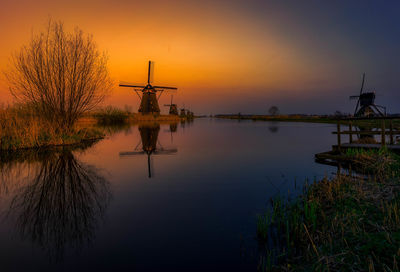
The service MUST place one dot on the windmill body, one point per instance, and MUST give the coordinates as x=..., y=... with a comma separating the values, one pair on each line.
x=183, y=113
x=149, y=98
x=149, y=103
x=173, y=108
x=366, y=106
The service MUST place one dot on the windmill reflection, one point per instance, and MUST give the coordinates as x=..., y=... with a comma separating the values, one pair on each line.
x=61, y=205
x=150, y=144
x=173, y=128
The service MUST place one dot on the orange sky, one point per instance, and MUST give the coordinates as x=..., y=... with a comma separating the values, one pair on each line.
x=209, y=50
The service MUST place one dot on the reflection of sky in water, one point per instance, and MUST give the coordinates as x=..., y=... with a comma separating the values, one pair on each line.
x=198, y=210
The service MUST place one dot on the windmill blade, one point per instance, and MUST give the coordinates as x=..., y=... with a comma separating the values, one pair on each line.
x=362, y=84
x=162, y=87
x=132, y=86
x=358, y=103
x=361, y=90
x=149, y=72
x=149, y=164
x=131, y=153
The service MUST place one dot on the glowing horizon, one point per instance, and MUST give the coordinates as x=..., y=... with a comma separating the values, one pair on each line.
x=225, y=56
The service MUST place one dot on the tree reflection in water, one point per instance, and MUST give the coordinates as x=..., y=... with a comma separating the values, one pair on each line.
x=61, y=205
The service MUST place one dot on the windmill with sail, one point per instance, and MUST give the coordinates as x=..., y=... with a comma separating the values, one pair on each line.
x=366, y=106
x=173, y=108
x=150, y=94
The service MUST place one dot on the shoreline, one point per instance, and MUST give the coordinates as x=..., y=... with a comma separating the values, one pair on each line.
x=305, y=119
x=85, y=125
x=338, y=224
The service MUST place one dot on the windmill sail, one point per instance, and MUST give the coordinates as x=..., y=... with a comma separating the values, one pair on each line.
x=366, y=106
x=149, y=99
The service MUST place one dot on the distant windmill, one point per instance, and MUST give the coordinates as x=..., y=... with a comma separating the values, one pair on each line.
x=183, y=112
x=149, y=98
x=173, y=108
x=366, y=104
x=150, y=145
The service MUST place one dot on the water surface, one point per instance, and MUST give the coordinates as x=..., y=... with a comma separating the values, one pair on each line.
x=160, y=197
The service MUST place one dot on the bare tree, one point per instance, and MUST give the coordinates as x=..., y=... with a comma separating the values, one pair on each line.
x=61, y=74
x=274, y=110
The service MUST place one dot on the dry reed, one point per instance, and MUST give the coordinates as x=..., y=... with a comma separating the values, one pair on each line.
x=20, y=127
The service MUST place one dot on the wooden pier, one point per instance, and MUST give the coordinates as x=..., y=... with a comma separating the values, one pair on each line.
x=387, y=139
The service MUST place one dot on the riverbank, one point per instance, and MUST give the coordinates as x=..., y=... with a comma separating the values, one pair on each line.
x=308, y=119
x=279, y=118
x=346, y=223
x=21, y=128
x=112, y=116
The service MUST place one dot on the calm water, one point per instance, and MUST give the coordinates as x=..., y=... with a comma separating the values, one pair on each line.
x=96, y=209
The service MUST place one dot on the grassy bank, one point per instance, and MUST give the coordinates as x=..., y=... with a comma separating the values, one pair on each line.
x=279, y=118
x=115, y=116
x=111, y=116
x=310, y=119
x=345, y=223
x=22, y=128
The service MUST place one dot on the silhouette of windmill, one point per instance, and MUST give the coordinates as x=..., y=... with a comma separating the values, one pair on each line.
x=149, y=98
x=150, y=145
x=366, y=104
x=173, y=108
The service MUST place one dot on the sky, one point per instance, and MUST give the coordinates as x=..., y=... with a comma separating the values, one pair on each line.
x=230, y=56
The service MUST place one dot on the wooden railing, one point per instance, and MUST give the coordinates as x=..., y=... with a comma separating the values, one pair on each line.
x=381, y=130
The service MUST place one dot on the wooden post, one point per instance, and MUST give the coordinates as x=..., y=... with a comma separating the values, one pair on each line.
x=338, y=136
x=383, y=140
x=351, y=132
x=391, y=131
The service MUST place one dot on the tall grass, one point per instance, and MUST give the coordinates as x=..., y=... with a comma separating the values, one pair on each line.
x=342, y=224
x=21, y=127
x=381, y=163
x=111, y=116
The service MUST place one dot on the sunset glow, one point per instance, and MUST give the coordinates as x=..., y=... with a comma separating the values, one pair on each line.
x=226, y=56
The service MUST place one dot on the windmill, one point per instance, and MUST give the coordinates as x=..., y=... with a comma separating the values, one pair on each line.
x=183, y=112
x=150, y=145
x=149, y=98
x=366, y=104
x=173, y=108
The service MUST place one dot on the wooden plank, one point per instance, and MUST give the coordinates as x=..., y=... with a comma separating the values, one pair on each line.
x=365, y=132
x=391, y=131
x=338, y=136
x=350, y=134
x=369, y=146
x=383, y=138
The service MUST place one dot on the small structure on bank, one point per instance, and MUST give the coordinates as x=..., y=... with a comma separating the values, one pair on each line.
x=173, y=108
x=182, y=113
x=149, y=98
x=366, y=106
x=189, y=114
x=185, y=113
